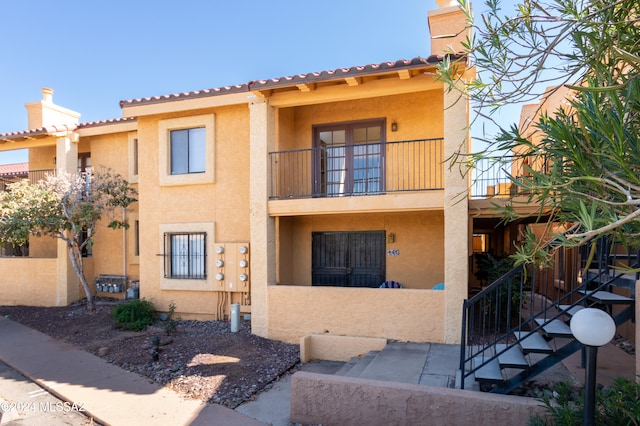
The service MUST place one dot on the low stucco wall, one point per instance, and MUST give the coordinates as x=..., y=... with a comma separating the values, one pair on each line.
x=337, y=348
x=28, y=281
x=398, y=314
x=337, y=400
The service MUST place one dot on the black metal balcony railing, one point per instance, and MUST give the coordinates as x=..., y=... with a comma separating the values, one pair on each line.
x=492, y=177
x=32, y=175
x=361, y=169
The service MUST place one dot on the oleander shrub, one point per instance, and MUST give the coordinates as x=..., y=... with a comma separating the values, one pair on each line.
x=135, y=315
x=617, y=405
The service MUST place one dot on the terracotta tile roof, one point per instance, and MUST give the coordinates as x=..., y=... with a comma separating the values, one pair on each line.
x=62, y=128
x=313, y=77
x=39, y=131
x=345, y=72
x=14, y=169
x=191, y=95
x=106, y=122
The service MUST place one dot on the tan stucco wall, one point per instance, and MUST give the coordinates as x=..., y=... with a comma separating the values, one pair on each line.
x=401, y=314
x=27, y=281
x=42, y=158
x=457, y=225
x=337, y=400
x=224, y=203
x=419, y=238
x=108, y=152
x=263, y=227
x=330, y=347
x=418, y=115
x=448, y=29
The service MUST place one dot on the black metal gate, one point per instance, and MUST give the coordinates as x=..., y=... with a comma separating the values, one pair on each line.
x=348, y=259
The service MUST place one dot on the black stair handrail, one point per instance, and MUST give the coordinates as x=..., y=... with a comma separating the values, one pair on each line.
x=569, y=348
x=489, y=306
x=488, y=303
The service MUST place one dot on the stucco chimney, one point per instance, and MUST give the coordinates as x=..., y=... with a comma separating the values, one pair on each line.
x=45, y=113
x=448, y=27
x=47, y=95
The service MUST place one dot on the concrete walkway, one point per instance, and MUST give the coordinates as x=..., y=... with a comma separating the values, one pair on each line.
x=113, y=396
x=107, y=393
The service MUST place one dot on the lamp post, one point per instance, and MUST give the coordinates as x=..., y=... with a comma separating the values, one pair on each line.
x=593, y=328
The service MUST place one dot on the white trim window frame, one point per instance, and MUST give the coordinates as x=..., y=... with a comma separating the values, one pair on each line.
x=133, y=145
x=188, y=276
x=187, y=150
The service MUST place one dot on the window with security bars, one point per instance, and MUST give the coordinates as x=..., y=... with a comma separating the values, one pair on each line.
x=185, y=255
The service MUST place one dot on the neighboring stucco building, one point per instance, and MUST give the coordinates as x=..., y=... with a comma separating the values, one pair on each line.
x=295, y=197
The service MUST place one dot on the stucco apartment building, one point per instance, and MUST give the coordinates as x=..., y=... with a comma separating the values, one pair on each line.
x=295, y=197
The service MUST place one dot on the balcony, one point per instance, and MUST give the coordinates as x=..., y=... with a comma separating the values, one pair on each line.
x=32, y=175
x=493, y=177
x=357, y=170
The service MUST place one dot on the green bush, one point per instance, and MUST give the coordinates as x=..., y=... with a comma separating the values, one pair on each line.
x=618, y=405
x=135, y=314
x=171, y=324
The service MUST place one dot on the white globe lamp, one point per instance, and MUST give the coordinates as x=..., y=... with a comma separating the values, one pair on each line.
x=593, y=328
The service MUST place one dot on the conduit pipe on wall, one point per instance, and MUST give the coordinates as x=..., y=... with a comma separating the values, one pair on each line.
x=124, y=243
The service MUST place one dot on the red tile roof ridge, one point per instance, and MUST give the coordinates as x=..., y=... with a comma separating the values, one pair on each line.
x=14, y=169
x=106, y=122
x=193, y=94
x=39, y=131
x=299, y=79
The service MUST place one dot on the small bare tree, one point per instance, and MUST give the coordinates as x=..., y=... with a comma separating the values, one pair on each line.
x=68, y=207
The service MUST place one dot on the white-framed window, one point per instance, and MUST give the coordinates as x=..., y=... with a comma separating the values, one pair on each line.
x=186, y=150
x=185, y=255
x=132, y=139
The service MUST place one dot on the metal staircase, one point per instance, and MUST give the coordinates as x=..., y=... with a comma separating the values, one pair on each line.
x=518, y=327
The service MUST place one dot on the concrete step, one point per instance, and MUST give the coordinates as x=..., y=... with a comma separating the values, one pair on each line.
x=554, y=328
x=607, y=298
x=399, y=362
x=489, y=372
x=533, y=343
x=355, y=366
x=512, y=358
x=570, y=310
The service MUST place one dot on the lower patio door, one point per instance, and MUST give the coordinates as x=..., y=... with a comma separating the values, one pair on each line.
x=348, y=259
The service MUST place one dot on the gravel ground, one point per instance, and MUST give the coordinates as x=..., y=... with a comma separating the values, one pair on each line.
x=201, y=359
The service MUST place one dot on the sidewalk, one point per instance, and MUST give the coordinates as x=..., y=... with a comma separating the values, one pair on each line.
x=113, y=396
x=107, y=393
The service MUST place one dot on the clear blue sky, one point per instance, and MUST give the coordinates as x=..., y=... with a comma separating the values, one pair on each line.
x=96, y=53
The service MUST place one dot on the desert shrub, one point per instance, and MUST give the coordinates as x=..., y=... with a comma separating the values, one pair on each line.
x=134, y=315
x=171, y=324
x=618, y=405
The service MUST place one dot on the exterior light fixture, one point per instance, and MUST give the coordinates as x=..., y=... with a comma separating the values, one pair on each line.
x=220, y=277
x=220, y=249
x=219, y=263
x=593, y=328
x=244, y=263
x=394, y=127
x=244, y=277
x=244, y=250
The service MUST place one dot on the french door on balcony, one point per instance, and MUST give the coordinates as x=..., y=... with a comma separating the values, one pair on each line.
x=349, y=158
